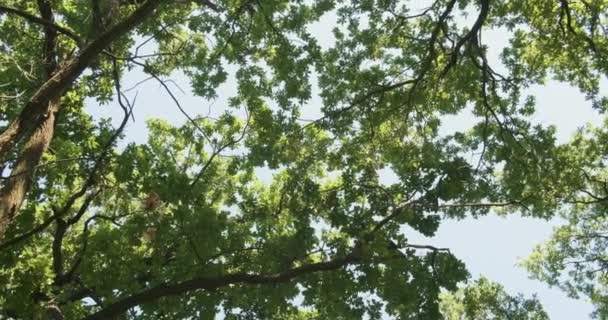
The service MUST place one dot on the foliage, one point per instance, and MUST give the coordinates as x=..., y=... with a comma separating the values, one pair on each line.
x=483, y=299
x=182, y=226
x=575, y=257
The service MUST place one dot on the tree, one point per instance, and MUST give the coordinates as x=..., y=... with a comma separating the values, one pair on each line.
x=575, y=258
x=483, y=299
x=181, y=227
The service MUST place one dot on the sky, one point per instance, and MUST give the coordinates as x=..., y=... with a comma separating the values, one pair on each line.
x=490, y=246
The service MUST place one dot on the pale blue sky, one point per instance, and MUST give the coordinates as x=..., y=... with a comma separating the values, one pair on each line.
x=490, y=245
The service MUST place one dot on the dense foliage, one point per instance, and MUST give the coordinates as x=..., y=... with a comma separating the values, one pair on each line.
x=182, y=227
x=484, y=300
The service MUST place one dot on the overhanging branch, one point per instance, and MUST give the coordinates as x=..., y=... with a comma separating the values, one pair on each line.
x=43, y=22
x=211, y=283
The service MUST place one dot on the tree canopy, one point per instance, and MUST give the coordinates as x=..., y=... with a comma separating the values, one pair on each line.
x=486, y=300
x=182, y=226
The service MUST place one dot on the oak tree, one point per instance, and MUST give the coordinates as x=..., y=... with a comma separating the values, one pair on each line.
x=183, y=227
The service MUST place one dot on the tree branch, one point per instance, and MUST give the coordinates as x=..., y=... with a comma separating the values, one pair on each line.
x=32, y=113
x=469, y=36
x=43, y=22
x=50, y=35
x=211, y=283
x=41, y=227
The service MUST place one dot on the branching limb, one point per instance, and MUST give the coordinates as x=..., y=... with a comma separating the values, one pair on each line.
x=211, y=283
x=471, y=35
x=48, y=24
x=565, y=11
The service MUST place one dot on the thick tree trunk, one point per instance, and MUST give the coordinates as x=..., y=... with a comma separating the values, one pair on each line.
x=16, y=187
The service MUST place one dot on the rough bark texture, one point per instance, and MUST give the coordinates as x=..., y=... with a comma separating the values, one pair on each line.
x=14, y=191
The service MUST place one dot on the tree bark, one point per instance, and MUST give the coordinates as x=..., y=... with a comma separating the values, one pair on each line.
x=14, y=191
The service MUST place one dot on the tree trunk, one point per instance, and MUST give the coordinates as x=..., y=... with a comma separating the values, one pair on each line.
x=18, y=184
